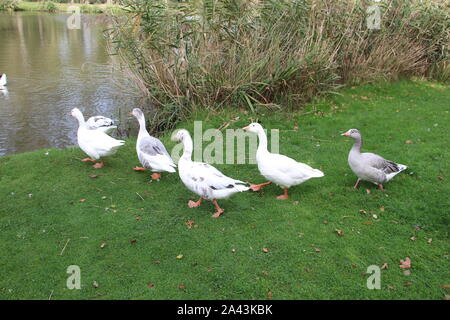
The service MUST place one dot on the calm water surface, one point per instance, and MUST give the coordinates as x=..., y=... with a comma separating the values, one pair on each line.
x=52, y=69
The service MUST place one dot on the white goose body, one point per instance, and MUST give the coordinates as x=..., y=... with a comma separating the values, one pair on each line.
x=202, y=178
x=279, y=169
x=369, y=166
x=151, y=152
x=3, y=82
x=96, y=144
x=101, y=123
x=284, y=171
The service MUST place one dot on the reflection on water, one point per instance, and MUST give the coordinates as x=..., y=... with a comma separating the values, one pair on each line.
x=51, y=70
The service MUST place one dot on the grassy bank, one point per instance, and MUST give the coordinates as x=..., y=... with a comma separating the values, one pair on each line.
x=50, y=6
x=45, y=226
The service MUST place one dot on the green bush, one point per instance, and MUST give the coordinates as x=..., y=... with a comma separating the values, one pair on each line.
x=267, y=53
x=8, y=5
x=50, y=6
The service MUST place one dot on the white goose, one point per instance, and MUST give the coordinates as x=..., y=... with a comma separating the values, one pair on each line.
x=202, y=178
x=151, y=152
x=101, y=123
x=277, y=168
x=369, y=166
x=3, y=82
x=95, y=143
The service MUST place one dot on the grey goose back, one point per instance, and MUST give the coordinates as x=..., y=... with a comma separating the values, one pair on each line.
x=369, y=166
x=150, y=150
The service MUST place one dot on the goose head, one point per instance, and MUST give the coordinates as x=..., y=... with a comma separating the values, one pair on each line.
x=180, y=135
x=352, y=133
x=253, y=127
x=76, y=113
x=137, y=113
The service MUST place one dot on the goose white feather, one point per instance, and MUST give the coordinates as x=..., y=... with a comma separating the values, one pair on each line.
x=277, y=168
x=202, y=178
x=369, y=166
x=95, y=143
x=101, y=123
x=3, y=81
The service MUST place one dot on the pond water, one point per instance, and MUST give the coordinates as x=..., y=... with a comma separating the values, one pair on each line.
x=52, y=69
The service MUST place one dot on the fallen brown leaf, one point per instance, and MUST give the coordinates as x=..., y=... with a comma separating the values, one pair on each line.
x=82, y=200
x=189, y=224
x=265, y=250
x=150, y=284
x=407, y=273
x=407, y=284
x=93, y=176
x=133, y=241
x=339, y=232
x=103, y=245
x=405, y=264
x=384, y=266
x=181, y=287
x=362, y=211
x=408, y=141
x=317, y=250
x=430, y=240
x=138, y=218
x=382, y=208
x=156, y=262
x=95, y=284
x=269, y=294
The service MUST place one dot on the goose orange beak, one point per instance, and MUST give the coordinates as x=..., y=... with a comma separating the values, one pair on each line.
x=245, y=128
x=345, y=134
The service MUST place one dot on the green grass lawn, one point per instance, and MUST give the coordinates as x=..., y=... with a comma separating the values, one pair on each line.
x=223, y=258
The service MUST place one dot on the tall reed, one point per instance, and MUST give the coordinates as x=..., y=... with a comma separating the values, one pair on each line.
x=272, y=53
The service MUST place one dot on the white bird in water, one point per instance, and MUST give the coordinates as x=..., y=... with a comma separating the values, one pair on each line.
x=3, y=82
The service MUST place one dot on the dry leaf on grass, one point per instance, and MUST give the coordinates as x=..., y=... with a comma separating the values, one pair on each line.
x=103, y=245
x=95, y=284
x=384, y=266
x=150, y=284
x=82, y=200
x=405, y=264
x=339, y=232
x=189, y=224
x=265, y=250
x=180, y=256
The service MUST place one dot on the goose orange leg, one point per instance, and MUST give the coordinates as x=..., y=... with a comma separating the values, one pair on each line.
x=257, y=187
x=219, y=211
x=155, y=176
x=88, y=160
x=98, y=165
x=284, y=195
x=139, y=169
x=356, y=186
x=193, y=204
x=380, y=186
